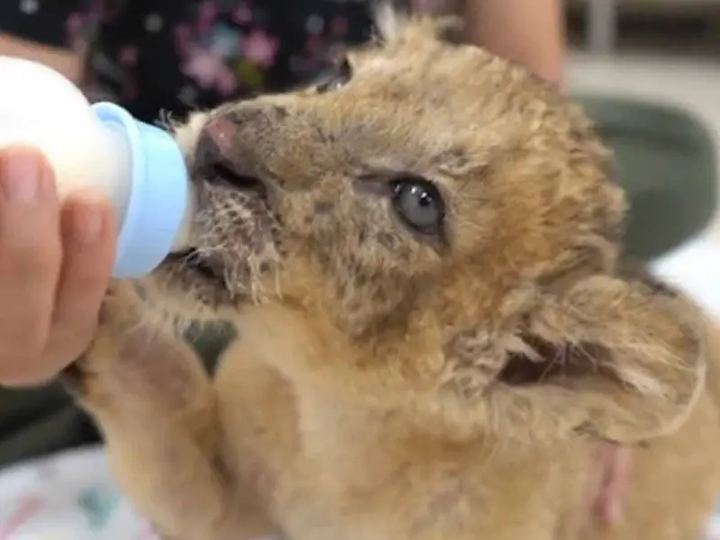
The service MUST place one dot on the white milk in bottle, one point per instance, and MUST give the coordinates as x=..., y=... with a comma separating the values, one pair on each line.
x=138, y=167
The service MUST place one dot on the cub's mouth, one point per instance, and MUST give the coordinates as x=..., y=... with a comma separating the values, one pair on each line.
x=232, y=238
x=224, y=174
x=206, y=266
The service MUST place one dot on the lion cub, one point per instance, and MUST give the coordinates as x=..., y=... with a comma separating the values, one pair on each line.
x=421, y=256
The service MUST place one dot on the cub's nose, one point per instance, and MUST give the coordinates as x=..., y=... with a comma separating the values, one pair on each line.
x=220, y=160
x=219, y=134
x=239, y=140
x=216, y=145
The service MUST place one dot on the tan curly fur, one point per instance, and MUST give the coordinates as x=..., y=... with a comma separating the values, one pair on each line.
x=394, y=385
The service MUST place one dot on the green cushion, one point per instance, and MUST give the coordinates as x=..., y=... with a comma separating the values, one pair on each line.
x=666, y=159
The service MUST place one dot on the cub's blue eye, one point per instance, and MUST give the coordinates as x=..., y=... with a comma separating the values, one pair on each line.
x=419, y=204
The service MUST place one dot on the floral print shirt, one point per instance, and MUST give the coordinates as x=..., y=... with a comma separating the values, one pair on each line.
x=154, y=56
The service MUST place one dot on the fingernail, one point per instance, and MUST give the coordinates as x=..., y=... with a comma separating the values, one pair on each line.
x=87, y=224
x=20, y=176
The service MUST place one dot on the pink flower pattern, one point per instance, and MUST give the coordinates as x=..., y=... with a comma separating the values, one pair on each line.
x=209, y=70
x=220, y=49
x=260, y=48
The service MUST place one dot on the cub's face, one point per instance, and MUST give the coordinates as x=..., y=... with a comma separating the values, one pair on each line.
x=445, y=219
x=416, y=164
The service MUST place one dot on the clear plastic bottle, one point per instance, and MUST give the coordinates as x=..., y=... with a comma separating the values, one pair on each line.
x=138, y=167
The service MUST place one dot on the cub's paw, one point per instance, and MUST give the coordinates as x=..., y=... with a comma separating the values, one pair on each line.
x=129, y=363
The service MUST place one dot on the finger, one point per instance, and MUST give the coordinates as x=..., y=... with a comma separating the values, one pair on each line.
x=29, y=259
x=617, y=483
x=88, y=236
x=599, y=494
x=592, y=490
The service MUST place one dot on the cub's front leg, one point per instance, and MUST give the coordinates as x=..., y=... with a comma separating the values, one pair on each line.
x=155, y=407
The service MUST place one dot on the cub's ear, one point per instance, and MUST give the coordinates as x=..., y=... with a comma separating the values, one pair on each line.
x=616, y=357
x=438, y=18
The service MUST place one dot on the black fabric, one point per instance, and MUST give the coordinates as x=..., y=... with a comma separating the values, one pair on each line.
x=41, y=21
x=154, y=56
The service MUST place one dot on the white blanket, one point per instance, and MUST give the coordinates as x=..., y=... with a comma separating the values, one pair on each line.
x=70, y=496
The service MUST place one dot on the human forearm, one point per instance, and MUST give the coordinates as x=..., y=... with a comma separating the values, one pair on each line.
x=67, y=62
x=531, y=32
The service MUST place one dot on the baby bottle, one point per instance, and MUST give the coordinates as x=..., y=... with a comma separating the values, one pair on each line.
x=138, y=167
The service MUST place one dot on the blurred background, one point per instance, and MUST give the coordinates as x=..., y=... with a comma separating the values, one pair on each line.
x=664, y=49
x=656, y=53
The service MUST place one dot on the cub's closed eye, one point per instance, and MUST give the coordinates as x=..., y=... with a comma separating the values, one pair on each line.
x=419, y=204
x=335, y=77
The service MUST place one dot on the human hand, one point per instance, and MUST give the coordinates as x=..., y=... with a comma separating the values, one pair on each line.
x=610, y=502
x=55, y=264
x=607, y=493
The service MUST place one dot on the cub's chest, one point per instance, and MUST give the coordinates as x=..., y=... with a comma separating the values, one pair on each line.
x=498, y=498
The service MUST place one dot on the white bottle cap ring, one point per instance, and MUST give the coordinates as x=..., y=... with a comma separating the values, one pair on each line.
x=158, y=195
